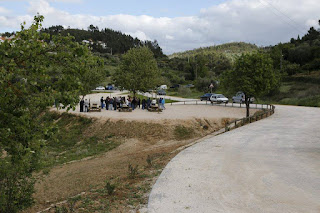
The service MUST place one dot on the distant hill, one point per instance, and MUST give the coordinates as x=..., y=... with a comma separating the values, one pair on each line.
x=106, y=41
x=230, y=50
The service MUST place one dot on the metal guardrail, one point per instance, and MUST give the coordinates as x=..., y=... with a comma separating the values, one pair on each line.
x=239, y=105
x=268, y=110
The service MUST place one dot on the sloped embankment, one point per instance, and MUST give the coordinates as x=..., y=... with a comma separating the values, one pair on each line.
x=84, y=152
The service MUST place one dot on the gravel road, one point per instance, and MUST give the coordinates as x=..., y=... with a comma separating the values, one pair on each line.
x=272, y=165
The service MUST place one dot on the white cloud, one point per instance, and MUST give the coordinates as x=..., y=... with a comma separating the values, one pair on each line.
x=263, y=22
x=4, y=11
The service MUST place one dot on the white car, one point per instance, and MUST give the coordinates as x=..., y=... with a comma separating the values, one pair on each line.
x=100, y=88
x=219, y=98
x=239, y=98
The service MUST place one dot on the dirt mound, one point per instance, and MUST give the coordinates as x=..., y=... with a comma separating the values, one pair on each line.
x=138, y=141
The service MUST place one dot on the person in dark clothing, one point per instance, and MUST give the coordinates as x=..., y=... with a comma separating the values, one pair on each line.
x=111, y=103
x=81, y=105
x=133, y=103
x=114, y=103
x=138, y=102
x=148, y=103
x=107, y=103
x=143, y=103
x=101, y=102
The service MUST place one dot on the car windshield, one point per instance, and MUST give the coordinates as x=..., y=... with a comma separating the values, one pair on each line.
x=220, y=96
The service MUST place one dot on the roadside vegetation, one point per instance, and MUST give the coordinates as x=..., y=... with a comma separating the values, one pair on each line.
x=49, y=66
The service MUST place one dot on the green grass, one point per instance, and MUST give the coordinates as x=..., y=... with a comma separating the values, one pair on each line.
x=145, y=97
x=296, y=93
x=67, y=140
x=193, y=94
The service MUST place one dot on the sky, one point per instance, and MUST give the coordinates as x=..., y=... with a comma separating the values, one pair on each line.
x=177, y=25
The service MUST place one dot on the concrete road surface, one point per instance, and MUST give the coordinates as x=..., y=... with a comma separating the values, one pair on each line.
x=272, y=165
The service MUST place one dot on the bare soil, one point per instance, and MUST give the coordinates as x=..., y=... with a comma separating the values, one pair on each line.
x=142, y=134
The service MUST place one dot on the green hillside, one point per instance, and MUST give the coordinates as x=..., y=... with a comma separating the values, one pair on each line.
x=229, y=49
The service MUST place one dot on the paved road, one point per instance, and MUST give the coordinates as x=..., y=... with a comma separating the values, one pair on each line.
x=272, y=165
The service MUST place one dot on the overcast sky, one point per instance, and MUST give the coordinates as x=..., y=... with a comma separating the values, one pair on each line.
x=177, y=25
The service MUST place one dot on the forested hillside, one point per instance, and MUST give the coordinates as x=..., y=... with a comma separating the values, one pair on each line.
x=106, y=41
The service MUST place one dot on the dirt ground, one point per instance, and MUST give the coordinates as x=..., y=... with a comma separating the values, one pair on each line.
x=142, y=133
x=172, y=112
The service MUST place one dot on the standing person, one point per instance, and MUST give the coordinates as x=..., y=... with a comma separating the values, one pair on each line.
x=86, y=105
x=143, y=104
x=163, y=101
x=107, y=103
x=101, y=102
x=138, y=102
x=111, y=103
x=81, y=105
x=133, y=103
x=148, y=103
x=114, y=103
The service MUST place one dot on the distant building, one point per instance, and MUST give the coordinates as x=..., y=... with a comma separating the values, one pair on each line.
x=4, y=38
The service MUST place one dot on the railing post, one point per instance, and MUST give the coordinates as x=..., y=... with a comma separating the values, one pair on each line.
x=240, y=104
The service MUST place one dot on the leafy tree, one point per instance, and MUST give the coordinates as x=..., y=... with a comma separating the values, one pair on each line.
x=138, y=70
x=253, y=74
x=33, y=74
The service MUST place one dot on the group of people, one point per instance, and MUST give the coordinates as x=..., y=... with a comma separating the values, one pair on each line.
x=84, y=105
x=118, y=102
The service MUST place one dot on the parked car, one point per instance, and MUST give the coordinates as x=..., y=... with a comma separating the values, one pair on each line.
x=163, y=87
x=218, y=98
x=175, y=86
x=161, y=92
x=206, y=97
x=189, y=85
x=109, y=87
x=240, y=98
x=100, y=88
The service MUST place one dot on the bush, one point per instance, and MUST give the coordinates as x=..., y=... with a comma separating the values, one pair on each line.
x=184, y=92
x=110, y=187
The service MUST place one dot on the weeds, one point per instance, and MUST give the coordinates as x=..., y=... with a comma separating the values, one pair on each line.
x=149, y=161
x=182, y=132
x=133, y=171
x=109, y=187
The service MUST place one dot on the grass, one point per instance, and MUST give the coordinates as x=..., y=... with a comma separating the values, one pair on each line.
x=68, y=140
x=193, y=94
x=182, y=132
x=119, y=194
x=296, y=93
x=168, y=101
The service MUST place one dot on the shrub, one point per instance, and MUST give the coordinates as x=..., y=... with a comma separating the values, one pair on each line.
x=133, y=171
x=184, y=92
x=110, y=187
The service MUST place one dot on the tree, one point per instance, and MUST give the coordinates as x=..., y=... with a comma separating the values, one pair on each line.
x=253, y=74
x=33, y=74
x=138, y=71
